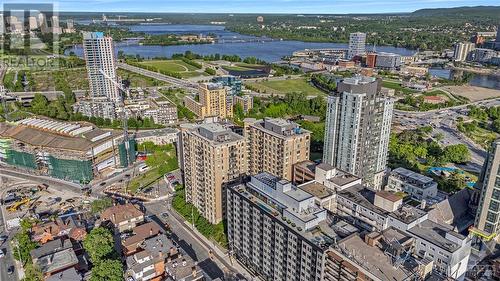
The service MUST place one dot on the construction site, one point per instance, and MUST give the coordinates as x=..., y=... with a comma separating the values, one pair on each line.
x=76, y=152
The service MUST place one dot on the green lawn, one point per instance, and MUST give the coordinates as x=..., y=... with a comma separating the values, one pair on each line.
x=170, y=65
x=72, y=78
x=300, y=85
x=482, y=137
x=397, y=86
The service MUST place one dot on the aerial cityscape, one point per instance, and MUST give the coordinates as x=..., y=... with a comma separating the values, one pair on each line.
x=247, y=140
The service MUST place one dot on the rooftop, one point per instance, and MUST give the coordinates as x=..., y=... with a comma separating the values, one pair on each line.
x=277, y=126
x=436, y=234
x=216, y=133
x=362, y=196
x=418, y=178
x=372, y=259
x=120, y=213
x=316, y=189
x=57, y=261
x=408, y=214
x=342, y=178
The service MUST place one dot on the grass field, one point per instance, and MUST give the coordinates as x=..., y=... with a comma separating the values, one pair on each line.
x=286, y=86
x=177, y=66
x=396, y=86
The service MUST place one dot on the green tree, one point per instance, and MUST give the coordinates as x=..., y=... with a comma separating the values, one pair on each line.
x=24, y=247
x=97, y=206
x=99, y=244
x=32, y=273
x=39, y=104
x=107, y=270
x=457, y=153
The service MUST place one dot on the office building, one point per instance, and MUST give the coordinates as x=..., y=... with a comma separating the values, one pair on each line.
x=32, y=23
x=388, y=61
x=233, y=82
x=487, y=222
x=99, y=56
x=462, y=51
x=358, y=124
x=212, y=102
x=415, y=185
x=357, y=45
x=211, y=156
x=275, y=145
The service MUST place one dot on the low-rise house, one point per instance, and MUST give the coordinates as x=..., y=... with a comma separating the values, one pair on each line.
x=69, y=274
x=416, y=185
x=133, y=243
x=123, y=217
x=68, y=226
x=54, y=257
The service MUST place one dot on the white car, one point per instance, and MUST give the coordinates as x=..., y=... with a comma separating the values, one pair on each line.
x=2, y=253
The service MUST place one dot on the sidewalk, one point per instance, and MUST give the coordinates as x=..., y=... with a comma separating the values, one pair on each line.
x=219, y=253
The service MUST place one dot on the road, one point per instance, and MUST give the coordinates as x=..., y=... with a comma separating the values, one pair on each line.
x=174, y=81
x=8, y=260
x=444, y=122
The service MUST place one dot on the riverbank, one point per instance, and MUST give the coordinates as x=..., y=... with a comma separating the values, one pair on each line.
x=473, y=93
x=485, y=71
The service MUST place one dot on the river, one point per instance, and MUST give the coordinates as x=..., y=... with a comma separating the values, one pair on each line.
x=267, y=51
x=479, y=80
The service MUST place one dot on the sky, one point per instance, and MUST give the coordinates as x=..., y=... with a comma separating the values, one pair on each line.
x=256, y=6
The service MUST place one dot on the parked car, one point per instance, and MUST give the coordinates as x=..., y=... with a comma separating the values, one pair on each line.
x=2, y=253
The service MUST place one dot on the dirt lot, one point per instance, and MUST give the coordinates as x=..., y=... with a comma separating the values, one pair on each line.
x=473, y=93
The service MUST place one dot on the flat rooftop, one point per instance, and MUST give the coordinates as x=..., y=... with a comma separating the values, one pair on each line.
x=217, y=133
x=363, y=197
x=316, y=189
x=435, y=233
x=419, y=178
x=408, y=214
x=372, y=259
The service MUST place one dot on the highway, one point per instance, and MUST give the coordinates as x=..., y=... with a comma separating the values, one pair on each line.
x=174, y=81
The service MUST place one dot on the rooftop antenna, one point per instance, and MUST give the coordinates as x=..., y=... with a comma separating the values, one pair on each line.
x=374, y=49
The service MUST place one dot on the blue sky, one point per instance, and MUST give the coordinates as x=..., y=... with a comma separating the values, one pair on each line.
x=256, y=6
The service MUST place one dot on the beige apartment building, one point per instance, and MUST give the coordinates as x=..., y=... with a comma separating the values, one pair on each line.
x=275, y=145
x=213, y=102
x=211, y=156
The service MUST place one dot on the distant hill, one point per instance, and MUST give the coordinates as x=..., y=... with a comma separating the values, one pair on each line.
x=492, y=12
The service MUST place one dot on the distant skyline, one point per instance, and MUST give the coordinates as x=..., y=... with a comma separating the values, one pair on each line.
x=257, y=6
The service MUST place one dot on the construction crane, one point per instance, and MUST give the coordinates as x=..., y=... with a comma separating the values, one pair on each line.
x=121, y=101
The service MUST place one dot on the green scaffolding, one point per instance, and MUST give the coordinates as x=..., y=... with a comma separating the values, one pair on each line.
x=71, y=170
x=131, y=151
x=122, y=151
x=21, y=159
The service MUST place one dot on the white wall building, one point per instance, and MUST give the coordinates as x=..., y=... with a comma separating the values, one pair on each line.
x=414, y=184
x=99, y=55
x=357, y=44
x=358, y=124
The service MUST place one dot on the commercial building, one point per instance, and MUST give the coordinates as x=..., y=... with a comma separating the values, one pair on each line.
x=388, y=61
x=70, y=151
x=487, y=222
x=358, y=124
x=357, y=45
x=275, y=145
x=462, y=51
x=246, y=102
x=371, y=60
x=99, y=56
x=414, y=184
x=211, y=156
x=213, y=102
x=233, y=82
